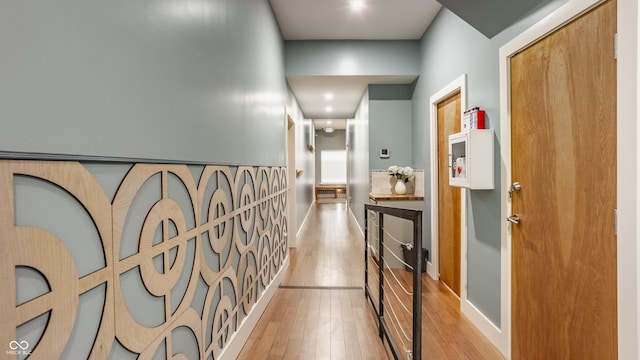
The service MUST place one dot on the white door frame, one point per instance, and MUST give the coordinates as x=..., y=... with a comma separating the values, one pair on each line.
x=291, y=180
x=477, y=318
x=459, y=84
x=555, y=20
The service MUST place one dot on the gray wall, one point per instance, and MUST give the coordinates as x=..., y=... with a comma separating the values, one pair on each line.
x=304, y=160
x=389, y=128
x=352, y=58
x=450, y=48
x=149, y=81
x=358, y=159
x=328, y=141
x=139, y=79
x=390, y=125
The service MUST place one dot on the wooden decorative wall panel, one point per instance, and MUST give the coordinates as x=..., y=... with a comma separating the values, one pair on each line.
x=199, y=254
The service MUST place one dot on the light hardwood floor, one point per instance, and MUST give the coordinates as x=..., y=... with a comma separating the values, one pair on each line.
x=320, y=311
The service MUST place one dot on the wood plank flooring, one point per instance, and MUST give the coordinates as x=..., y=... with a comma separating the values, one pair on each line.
x=330, y=250
x=320, y=311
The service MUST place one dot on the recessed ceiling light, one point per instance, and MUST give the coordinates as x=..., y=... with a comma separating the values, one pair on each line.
x=328, y=96
x=328, y=109
x=357, y=5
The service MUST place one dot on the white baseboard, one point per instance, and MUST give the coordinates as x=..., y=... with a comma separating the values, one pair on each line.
x=431, y=270
x=486, y=327
x=356, y=220
x=304, y=222
x=240, y=337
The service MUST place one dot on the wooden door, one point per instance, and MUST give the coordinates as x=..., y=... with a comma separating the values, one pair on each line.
x=563, y=135
x=449, y=113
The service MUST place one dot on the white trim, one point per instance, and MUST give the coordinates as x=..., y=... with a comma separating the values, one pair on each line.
x=240, y=337
x=486, y=327
x=432, y=266
x=356, y=220
x=304, y=222
x=558, y=18
x=627, y=192
x=479, y=320
x=561, y=16
x=291, y=178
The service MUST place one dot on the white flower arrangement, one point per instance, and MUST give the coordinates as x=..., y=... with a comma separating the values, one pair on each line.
x=404, y=174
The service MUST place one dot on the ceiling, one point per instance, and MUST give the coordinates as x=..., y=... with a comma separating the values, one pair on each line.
x=334, y=20
x=346, y=93
x=377, y=20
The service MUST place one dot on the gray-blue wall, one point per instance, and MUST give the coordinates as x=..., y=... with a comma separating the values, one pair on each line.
x=358, y=159
x=389, y=128
x=304, y=160
x=155, y=80
x=162, y=81
x=390, y=125
x=351, y=58
x=450, y=48
x=360, y=58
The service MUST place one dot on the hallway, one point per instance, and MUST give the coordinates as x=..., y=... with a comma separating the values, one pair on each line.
x=320, y=311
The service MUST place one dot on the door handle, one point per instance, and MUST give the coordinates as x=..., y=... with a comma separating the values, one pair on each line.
x=515, y=219
x=515, y=187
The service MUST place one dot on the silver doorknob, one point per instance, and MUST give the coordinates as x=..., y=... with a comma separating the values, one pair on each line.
x=514, y=219
x=515, y=187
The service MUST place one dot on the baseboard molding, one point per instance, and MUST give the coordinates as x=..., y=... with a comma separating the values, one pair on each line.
x=353, y=216
x=240, y=337
x=304, y=222
x=431, y=270
x=486, y=327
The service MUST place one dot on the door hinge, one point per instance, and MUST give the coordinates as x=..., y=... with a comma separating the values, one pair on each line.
x=615, y=46
x=615, y=222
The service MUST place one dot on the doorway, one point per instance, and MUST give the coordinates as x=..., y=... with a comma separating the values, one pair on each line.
x=448, y=231
x=449, y=198
x=561, y=148
x=291, y=180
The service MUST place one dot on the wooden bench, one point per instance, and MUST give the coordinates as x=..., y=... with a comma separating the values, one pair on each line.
x=331, y=192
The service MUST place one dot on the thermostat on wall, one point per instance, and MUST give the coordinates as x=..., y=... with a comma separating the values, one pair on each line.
x=384, y=153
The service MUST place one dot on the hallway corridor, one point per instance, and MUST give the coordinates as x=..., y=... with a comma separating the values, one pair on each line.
x=320, y=311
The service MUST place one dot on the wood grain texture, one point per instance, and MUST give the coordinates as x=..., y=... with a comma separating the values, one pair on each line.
x=331, y=323
x=38, y=249
x=225, y=236
x=315, y=324
x=564, y=155
x=330, y=250
x=446, y=333
x=325, y=318
x=449, y=114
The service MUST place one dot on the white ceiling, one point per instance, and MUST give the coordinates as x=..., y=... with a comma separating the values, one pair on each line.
x=378, y=20
x=347, y=92
x=334, y=20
